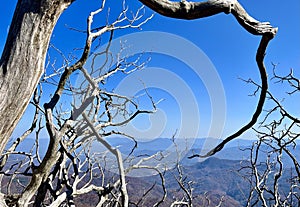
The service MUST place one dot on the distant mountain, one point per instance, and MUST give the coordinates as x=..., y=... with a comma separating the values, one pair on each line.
x=231, y=151
x=214, y=178
x=27, y=145
x=218, y=175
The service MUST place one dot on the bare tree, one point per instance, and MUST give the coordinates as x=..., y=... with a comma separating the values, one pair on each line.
x=25, y=51
x=22, y=66
x=60, y=176
x=273, y=169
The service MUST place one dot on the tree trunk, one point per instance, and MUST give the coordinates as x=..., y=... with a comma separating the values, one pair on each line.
x=22, y=61
x=23, y=58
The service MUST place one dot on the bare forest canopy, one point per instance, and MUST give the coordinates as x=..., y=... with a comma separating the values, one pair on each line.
x=68, y=168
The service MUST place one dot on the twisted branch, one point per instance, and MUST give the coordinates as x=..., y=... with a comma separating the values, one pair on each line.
x=196, y=10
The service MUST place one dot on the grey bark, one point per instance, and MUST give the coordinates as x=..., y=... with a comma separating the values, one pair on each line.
x=22, y=62
x=23, y=58
x=194, y=10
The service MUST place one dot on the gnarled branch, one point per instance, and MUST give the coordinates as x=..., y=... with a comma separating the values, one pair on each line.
x=195, y=10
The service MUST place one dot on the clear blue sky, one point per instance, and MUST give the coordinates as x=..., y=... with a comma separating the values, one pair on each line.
x=230, y=48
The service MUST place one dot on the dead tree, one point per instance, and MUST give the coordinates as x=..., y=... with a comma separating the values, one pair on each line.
x=273, y=161
x=61, y=175
x=24, y=54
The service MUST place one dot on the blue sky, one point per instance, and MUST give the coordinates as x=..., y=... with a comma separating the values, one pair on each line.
x=229, y=47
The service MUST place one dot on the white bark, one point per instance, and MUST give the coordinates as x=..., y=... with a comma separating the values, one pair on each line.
x=23, y=58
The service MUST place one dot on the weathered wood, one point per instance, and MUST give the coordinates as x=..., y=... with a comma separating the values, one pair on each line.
x=194, y=10
x=22, y=61
x=23, y=58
